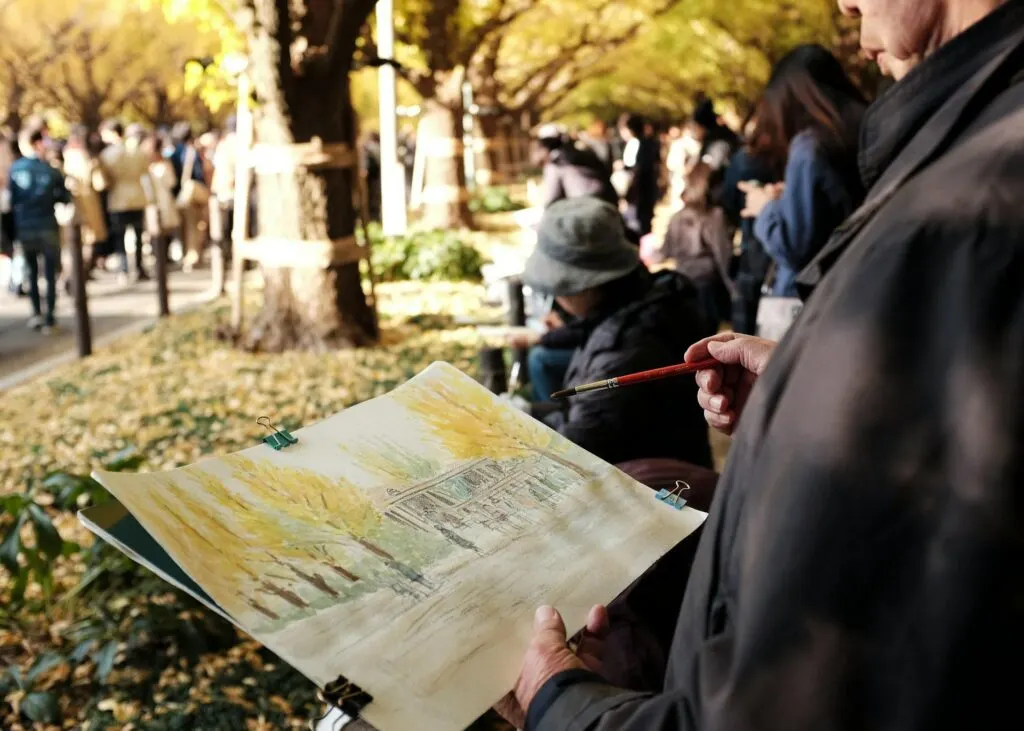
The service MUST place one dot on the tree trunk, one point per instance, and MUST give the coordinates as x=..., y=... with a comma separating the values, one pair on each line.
x=492, y=150
x=304, y=94
x=445, y=199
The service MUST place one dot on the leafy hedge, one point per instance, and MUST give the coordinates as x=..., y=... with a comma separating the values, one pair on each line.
x=427, y=256
x=494, y=199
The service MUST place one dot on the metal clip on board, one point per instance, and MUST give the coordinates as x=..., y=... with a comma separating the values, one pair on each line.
x=344, y=695
x=674, y=497
x=279, y=438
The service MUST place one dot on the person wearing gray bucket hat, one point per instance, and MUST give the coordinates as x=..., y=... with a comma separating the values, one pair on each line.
x=581, y=244
x=621, y=319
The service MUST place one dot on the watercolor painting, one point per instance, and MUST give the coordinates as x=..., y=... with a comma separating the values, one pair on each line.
x=390, y=526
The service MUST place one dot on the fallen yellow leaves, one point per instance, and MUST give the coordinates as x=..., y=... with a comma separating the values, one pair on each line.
x=175, y=394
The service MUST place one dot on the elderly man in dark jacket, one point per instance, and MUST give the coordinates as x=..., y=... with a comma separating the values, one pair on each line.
x=861, y=565
x=626, y=321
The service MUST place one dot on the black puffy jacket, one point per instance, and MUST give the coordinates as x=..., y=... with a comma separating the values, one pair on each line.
x=650, y=322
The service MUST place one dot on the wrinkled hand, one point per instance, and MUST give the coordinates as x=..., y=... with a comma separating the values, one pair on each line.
x=549, y=654
x=723, y=391
x=553, y=320
x=758, y=196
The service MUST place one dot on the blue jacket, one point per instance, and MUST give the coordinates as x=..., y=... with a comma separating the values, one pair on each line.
x=818, y=197
x=35, y=188
x=177, y=158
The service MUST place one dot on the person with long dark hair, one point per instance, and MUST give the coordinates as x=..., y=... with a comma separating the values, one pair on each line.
x=808, y=124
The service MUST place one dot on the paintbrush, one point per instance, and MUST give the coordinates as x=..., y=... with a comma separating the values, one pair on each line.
x=634, y=378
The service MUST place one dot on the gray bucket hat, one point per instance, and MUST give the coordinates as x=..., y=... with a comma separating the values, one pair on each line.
x=581, y=244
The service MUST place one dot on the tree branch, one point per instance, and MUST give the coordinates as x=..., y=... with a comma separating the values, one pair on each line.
x=571, y=58
x=498, y=20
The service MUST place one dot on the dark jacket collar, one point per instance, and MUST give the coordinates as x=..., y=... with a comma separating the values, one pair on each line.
x=897, y=116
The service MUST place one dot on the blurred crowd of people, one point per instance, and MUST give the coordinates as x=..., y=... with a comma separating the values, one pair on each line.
x=751, y=209
x=153, y=192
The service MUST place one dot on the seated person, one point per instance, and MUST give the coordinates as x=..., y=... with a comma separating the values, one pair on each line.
x=627, y=320
x=698, y=244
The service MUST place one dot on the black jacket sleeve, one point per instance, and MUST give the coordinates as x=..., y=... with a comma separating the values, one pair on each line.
x=568, y=337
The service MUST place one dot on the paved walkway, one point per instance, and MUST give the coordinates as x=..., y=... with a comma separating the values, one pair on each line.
x=114, y=309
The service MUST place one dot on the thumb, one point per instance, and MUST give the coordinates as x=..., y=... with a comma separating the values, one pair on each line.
x=748, y=353
x=548, y=627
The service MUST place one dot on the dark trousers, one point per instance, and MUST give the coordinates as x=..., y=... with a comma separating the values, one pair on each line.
x=45, y=246
x=547, y=368
x=639, y=218
x=120, y=222
x=744, y=307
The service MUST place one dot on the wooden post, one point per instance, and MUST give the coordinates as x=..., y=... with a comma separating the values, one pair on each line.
x=218, y=253
x=163, y=299
x=492, y=370
x=83, y=331
x=517, y=318
x=243, y=181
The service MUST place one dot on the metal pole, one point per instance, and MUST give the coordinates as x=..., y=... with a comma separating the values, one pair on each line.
x=392, y=173
x=243, y=181
x=468, y=136
x=83, y=332
x=160, y=244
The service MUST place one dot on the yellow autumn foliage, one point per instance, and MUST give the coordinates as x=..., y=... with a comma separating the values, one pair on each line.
x=469, y=422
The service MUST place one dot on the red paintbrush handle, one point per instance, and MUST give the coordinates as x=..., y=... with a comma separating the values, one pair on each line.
x=667, y=372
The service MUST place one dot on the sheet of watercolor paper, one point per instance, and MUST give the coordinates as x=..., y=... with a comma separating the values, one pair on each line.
x=405, y=543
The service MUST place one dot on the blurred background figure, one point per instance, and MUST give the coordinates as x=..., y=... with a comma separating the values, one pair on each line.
x=683, y=153
x=125, y=165
x=87, y=181
x=222, y=188
x=163, y=219
x=572, y=169
x=717, y=141
x=191, y=192
x=36, y=188
x=641, y=160
x=596, y=138
x=7, y=157
x=698, y=245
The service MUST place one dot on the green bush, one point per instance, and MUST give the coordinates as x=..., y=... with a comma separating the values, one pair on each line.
x=494, y=199
x=427, y=256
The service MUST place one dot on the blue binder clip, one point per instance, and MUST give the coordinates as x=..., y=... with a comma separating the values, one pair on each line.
x=674, y=497
x=279, y=438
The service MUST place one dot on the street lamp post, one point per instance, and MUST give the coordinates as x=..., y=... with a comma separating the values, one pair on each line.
x=392, y=174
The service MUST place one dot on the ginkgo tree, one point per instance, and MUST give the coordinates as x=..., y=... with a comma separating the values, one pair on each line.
x=299, y=59
x=723, y=50
x=89, y=59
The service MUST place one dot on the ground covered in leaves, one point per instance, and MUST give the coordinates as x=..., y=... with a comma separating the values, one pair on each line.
x=109, y=645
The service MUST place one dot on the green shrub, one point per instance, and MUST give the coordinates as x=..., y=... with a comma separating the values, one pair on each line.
x=427, y=256
x=494, y=199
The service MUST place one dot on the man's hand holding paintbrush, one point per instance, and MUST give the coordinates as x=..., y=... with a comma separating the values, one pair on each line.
x=726, y=367
x=725, y=386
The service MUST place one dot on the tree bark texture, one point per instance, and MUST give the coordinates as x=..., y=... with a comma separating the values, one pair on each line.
x=492, y=149
x=301, y=54
x=445, y=202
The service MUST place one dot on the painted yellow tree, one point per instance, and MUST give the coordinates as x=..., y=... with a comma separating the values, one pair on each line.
x=470, y=422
